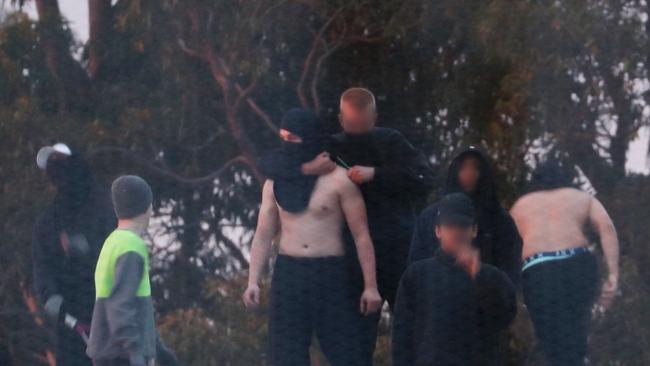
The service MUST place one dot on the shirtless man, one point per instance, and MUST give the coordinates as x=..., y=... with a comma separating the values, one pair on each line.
x=560, y=275
x=309, y=288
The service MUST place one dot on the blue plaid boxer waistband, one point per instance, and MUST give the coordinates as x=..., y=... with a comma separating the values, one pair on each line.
x=550, y=256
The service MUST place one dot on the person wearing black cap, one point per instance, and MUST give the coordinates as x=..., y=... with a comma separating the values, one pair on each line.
x=497, y=237
x=560, y=274
x=123, y=332
x=443, y=302
x=309, y=289
x=67, y=239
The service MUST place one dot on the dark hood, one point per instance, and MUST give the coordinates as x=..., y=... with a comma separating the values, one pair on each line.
x=293, y=189
x=73, y=181
x=485, y=196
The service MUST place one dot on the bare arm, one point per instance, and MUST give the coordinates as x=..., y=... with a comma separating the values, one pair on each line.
x=602, y=223
x=354, y=210
x=267, y=228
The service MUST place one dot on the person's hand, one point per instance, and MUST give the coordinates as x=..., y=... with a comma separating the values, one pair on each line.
x=610, y=287
x=370, y=301
x=251, y=296
x=361, y=174
x=83, y=330
x=470, y=260
x=321, y=165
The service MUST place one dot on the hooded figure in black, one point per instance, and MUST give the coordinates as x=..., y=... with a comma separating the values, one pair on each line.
x=293, y=189
x=497, y=239
x=67, y=239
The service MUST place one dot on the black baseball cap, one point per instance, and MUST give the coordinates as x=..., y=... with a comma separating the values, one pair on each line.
x=456, y=209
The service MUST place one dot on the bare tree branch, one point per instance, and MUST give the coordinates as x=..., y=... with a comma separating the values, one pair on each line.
x=132, y=156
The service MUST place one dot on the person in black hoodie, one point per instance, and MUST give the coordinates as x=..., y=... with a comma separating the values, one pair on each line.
x=498, y=239
x=392, y=176
x=67, y=239
x=445, y=303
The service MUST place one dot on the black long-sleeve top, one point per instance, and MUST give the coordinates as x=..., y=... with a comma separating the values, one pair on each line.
x=442, y=314
x=403, y=176
x=71, y=275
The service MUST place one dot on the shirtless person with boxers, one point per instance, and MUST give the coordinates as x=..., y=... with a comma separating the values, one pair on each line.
x=560, y=275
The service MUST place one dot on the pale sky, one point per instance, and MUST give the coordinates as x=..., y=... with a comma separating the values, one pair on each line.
x=76, y=12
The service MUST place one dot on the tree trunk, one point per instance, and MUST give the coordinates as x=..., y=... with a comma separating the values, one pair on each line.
x=70, y=80
x=100, y=18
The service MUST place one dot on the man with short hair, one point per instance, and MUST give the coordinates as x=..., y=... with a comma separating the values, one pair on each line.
x=445, y=302
x=393, y=176
x=560, y=275
x=123, y=331
x=309, y=289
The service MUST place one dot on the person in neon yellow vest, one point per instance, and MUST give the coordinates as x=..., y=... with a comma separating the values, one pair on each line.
x=122, y=331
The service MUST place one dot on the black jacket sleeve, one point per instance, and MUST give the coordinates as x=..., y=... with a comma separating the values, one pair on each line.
x=424, y=242
x=508, y=249
x=405, y=168
x=404, y=323
x=45, y=261
x=496, y=298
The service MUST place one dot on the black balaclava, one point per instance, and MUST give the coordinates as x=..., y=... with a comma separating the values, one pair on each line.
x=73, y=181
x=552, y=174
x=485, y=195
x=293, y=189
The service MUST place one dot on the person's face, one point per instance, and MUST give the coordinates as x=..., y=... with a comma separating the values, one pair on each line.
x=455, y=237
x=469, y=174
x=289, y=136
x=355, y=120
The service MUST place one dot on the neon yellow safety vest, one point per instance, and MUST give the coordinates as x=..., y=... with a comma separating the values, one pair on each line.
x=120, y=242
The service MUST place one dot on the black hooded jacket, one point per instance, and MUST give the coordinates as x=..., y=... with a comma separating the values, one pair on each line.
x=84, y=211
x=498, y=238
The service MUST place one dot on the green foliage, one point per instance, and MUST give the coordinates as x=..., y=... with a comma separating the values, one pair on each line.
x=188, y=93
x=221, y=332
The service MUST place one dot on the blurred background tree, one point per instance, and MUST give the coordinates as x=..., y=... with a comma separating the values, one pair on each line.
x=189, y=94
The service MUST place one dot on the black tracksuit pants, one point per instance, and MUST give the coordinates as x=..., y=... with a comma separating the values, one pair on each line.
x=313, y=296
x=559, y=295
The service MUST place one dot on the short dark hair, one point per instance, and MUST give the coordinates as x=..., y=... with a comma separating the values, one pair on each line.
x=358, y=97
x=552, y=174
